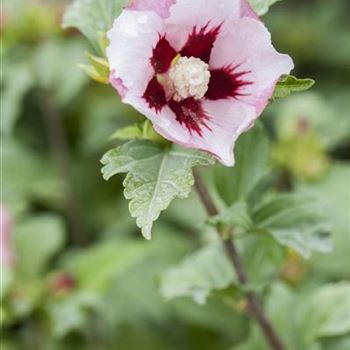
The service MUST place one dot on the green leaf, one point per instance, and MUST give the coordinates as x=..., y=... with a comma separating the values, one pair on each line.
x=331, y=190
x=36, y=241
x=252, y=154
x=93, y=17
x=104, y=114
x=16, y=82
x=342, y=343
x=101, y=64
x=279, y=307
x=98, y=69
x=39, y=183
x=294, y=221
x=91, y=72
x=132, y=132
x=262, y=257
x=124, y=295
x=61, y=76
x=139, y=131
x=155, y=176
x=305, y=318
x=327, y=312
x=95, y=268
x=73, y=313
x=204, y=271
x=261, y=6
x=289, y=84
x=5, y=281
x=208, y=269
x=236, y=216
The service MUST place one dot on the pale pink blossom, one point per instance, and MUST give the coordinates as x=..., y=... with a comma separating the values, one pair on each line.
x=201, y=71
x=6, y=253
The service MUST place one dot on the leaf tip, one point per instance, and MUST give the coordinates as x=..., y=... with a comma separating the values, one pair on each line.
x=147, y=232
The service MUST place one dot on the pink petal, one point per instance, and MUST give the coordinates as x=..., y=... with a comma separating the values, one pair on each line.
x=6, y=253
x=117, y=83
x=187, y=14
x=132, y=39
x=164, y=120
x=242, y=55
x=248, y=46
x=228, y=120
x=247, y=11
x=161, y=7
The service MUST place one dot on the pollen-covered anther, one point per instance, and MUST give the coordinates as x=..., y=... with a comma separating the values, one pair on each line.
x=190, y=78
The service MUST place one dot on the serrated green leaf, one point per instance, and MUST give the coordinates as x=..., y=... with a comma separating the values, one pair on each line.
x=327, y=312
x=252, y=153
x=204, y=271
x=294, y=221
x=262, y=6
x=155, y=176
x=236, y=216
x=289, y=84
x=208, y=269
x=93, y=17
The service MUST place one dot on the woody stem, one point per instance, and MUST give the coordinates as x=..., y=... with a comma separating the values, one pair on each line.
x=254, y=305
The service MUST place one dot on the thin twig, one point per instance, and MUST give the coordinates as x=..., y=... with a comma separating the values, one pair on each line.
x=60, y=151
x=253, y=303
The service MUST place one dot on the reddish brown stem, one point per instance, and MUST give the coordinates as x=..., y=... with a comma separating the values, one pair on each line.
x=255, y=308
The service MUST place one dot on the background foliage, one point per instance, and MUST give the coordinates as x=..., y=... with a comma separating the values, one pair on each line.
x=82, y=277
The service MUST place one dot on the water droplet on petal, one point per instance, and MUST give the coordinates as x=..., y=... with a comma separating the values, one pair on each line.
x=142, y=18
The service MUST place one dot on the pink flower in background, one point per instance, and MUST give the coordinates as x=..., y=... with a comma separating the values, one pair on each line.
x=6, y=255
x=201, y=71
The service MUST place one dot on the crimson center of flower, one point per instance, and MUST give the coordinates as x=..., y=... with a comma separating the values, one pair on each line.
x=187, y=77
x=184, y=79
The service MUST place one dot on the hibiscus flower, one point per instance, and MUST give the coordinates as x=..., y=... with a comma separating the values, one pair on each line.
x=201, y=71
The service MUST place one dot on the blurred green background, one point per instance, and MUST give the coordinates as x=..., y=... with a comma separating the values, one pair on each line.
x=77, y=273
